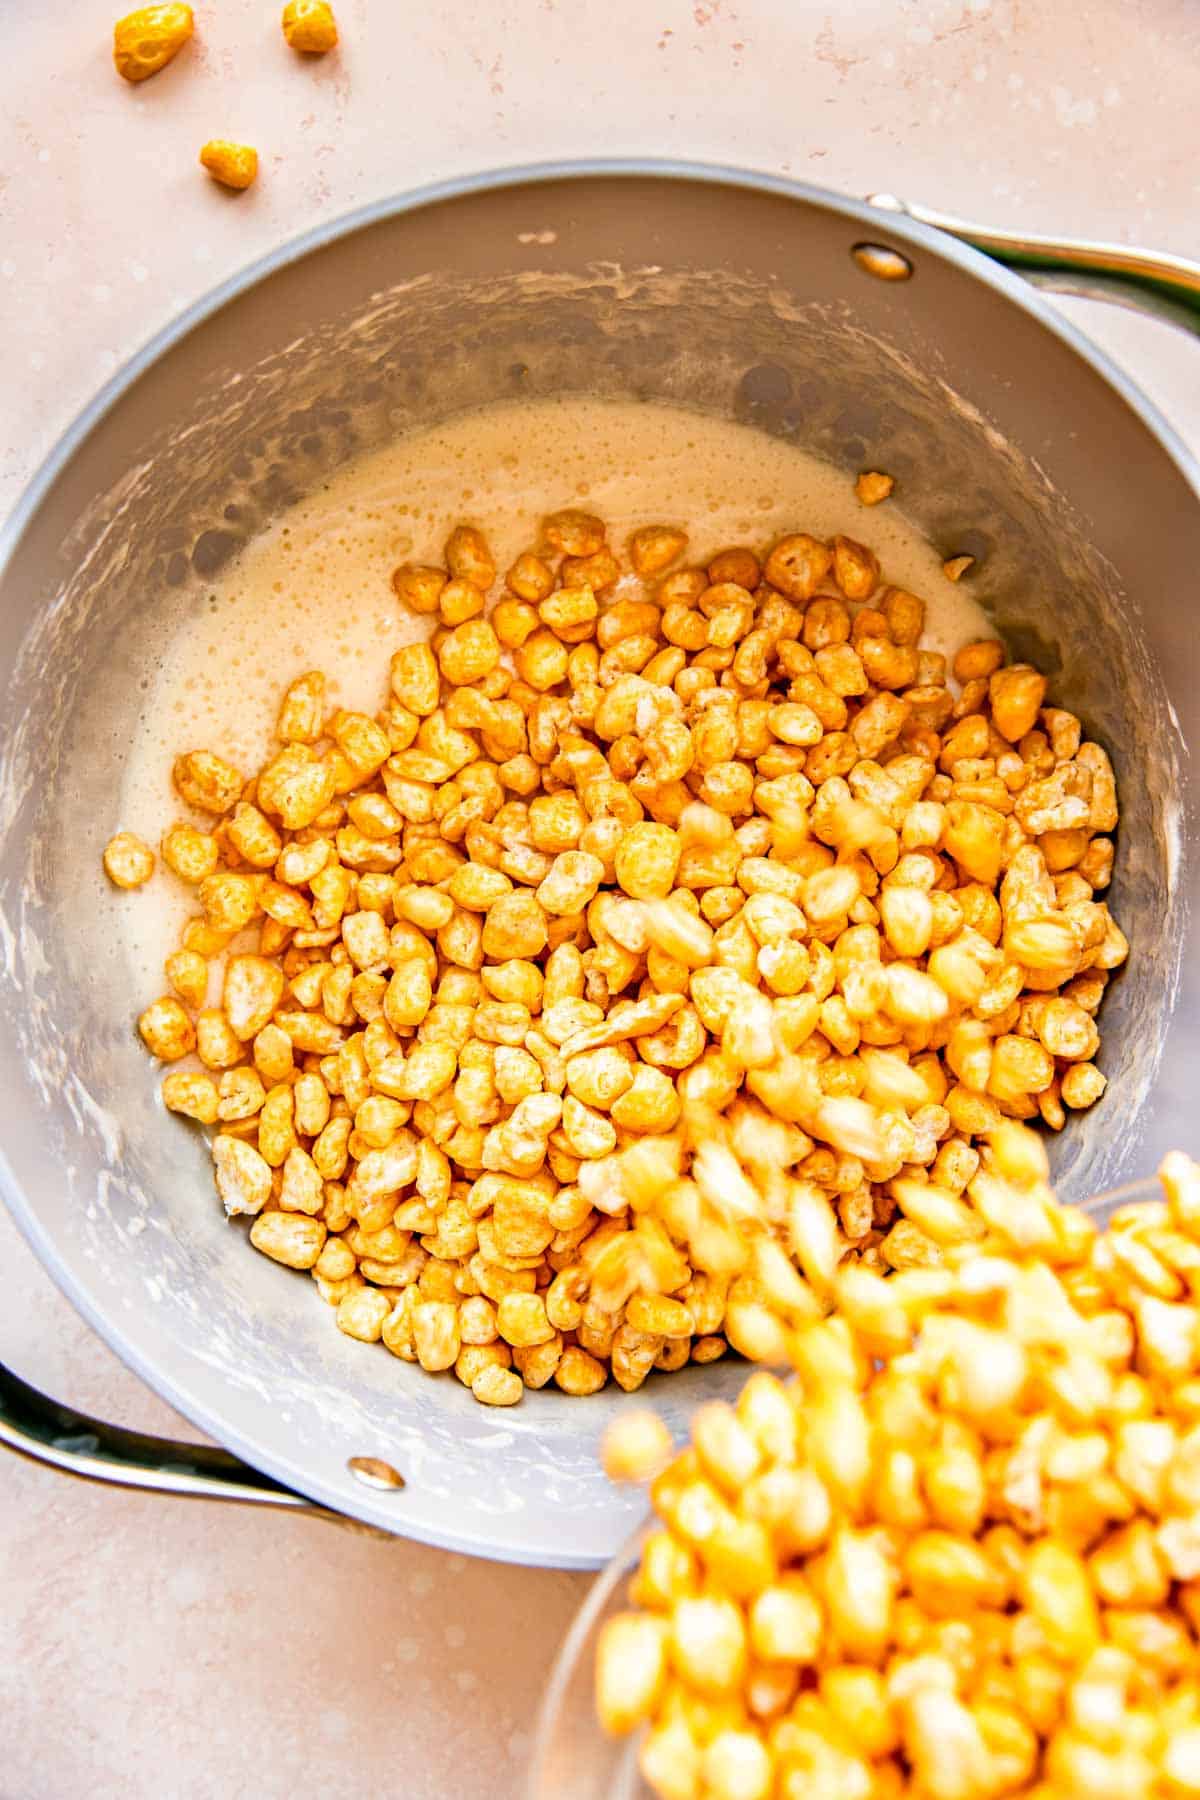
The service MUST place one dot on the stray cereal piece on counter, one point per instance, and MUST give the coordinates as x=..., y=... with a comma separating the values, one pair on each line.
x=872, y=486
x=956, y=1555
x=955, y=567
x=662, y=951
x=145, y=41
x=232, y=165
x=128, y=862
x=309, y=26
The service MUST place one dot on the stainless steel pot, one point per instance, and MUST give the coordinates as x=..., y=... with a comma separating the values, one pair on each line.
x=869, y=338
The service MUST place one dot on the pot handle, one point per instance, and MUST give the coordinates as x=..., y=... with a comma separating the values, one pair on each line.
x=1147, y=281
x=44, y=1431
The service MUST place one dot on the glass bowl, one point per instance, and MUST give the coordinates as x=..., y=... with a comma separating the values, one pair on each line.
x=573, y=1759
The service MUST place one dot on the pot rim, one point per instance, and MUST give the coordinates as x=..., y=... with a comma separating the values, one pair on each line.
x=886, y=224
x=880, y=225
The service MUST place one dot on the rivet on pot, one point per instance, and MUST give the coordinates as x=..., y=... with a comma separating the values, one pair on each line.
x=373, y=1472
x=882, y=262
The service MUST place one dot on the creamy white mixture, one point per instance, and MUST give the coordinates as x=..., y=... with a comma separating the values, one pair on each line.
x=313, y=591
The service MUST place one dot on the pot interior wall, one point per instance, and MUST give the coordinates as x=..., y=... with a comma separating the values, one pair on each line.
x=412, y=320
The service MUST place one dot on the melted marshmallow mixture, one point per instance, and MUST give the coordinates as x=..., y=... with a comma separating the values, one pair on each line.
x=314, y=591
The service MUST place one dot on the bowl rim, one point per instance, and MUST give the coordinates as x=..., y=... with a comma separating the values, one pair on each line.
x=1142, y=1187
x=204, y=1413
x=571, y=1651
x=542, y=174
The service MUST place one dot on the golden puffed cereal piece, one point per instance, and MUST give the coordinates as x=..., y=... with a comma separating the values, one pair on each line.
x=1082, y=1085
x=309, y=26
x=128, y=862
x=653, y=548
x=573, y=532
x=232, y=165
x=289, y=1238
x=230, y=901
x=206, y=781
x=216, y=1043
x=362, y=1314
x=494, y=1386
x=193, y=1095
x=191, y=854
x=636, y=1447
x=296, y=786
x=459, y=601
x=1016, y=695
x=414, y=677
x=187, y=973
x=469, y=652
x=146, y=40
x=647, y=859
x=241, y=1094
x=243, y=1176
x=871, y=486
x=253, y=988
x=632, y=1671
x=166, y=1030
x=978, y=660
x=253, y=836
x=529, y=578
x=418, y=586
x=855, y=568
x=469, y=558
x=522, y=1322
x=515, y=926
x=302, y=710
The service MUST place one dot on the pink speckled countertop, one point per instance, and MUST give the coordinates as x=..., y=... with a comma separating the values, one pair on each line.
x=177, y=1652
